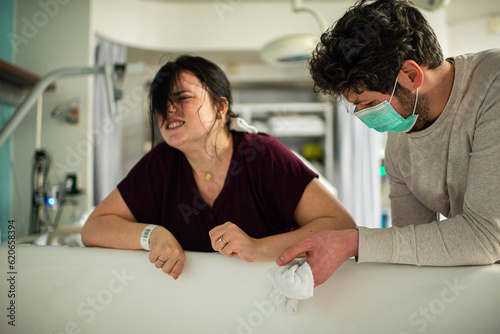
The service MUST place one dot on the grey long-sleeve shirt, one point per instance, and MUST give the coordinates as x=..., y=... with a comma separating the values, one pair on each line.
x=452, y=168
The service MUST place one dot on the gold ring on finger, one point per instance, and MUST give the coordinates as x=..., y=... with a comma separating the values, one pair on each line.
x=223, y=241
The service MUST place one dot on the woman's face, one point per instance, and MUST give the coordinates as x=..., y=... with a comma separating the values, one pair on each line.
x=191, y=115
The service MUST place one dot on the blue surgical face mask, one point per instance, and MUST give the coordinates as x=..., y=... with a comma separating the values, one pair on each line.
x=383, y=117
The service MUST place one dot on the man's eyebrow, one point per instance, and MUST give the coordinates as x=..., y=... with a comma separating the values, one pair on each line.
x=361, y=101
x=358, y=101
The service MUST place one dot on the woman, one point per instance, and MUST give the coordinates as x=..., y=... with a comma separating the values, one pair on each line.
x=207, y=187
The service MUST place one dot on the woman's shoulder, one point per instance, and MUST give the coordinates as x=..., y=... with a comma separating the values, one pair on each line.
x=261, y=143
x=158, y=154
x=262, y=148
x=161, y=149
x=257, y=140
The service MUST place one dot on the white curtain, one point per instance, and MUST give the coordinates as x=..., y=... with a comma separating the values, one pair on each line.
x=107, y=135
x=359, y=159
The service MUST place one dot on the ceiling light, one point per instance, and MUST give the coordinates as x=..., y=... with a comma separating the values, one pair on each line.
x=293, y=49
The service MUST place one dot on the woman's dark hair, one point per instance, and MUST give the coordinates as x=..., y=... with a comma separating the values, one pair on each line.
x=161, y=91
x=366, y=48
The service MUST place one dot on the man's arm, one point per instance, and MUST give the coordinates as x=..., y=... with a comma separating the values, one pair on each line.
x=469, y=238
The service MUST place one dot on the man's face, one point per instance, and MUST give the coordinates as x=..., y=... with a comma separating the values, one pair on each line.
x=369, y=99
x=403, y=102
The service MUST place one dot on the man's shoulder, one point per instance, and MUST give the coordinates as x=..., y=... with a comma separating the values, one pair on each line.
x=487, y=61
x=485, y=55
x=488, y=55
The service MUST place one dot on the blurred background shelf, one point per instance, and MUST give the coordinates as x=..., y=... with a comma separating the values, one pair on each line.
x=15, y=82
x=306, y=128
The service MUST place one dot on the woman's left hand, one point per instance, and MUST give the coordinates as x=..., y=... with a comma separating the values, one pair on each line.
x=230, y=240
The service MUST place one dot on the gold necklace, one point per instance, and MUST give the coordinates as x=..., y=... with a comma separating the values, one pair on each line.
x=209, y=174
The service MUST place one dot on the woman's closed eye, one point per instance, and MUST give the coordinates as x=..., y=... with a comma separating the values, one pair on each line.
x=183, y=98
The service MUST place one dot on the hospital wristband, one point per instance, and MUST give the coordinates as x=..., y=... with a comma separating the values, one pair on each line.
x=146, y=233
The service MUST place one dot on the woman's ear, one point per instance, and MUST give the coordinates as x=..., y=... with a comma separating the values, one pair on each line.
x=411, y=75
x=222, y=107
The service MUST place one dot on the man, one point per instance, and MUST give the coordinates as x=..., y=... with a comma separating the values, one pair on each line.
x=443, y=148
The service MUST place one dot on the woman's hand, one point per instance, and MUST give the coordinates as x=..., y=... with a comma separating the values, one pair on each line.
x=166, y=252
x=230, y=240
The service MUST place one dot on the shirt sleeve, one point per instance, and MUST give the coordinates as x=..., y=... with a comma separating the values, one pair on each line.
x=470, y=238
x=284, y=177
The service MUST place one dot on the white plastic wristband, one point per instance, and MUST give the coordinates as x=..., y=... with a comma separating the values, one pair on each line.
x=146, y=233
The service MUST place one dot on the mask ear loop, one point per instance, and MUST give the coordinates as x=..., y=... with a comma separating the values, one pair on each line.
x=393, y=90
x=415, y=106
x=416, y=96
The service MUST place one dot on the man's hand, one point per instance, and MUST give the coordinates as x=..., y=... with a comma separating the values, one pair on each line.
x=325, y=252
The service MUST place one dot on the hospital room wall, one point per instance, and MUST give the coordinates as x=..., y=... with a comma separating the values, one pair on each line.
x=207, y=25
x=66, y=39
x=474, y=35
x=6, y=53
x=52, y=37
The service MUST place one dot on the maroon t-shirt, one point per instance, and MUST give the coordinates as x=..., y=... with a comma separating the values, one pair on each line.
x=263, y=186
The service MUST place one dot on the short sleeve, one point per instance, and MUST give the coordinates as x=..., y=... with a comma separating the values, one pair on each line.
x=284, y=177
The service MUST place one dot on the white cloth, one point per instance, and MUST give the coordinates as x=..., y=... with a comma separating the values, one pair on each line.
x=238, y=124
x=292, y=282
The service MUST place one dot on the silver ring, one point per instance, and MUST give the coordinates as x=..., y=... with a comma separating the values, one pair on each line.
x=223, y=241
x=160, y=261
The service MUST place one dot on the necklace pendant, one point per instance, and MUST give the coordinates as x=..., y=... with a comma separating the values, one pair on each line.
x=208, y=176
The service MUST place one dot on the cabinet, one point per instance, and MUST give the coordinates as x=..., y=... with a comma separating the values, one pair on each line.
x=306, y=128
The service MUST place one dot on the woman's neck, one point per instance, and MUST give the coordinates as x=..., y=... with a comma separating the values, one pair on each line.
x=206, y=160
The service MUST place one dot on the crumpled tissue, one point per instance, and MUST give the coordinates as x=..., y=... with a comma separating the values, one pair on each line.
x=291, y=283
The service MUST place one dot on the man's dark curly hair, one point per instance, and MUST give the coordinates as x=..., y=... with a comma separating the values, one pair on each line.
x=365, y=49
